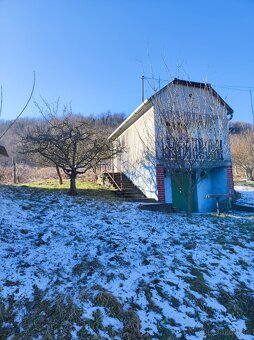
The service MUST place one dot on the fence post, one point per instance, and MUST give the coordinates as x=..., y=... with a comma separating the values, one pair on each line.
x=15, y=180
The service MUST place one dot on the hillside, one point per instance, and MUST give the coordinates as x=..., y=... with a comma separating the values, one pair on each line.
x=94, y=267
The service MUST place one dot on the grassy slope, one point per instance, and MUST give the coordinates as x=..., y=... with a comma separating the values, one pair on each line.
x=88, y=189
x=244, y=183
x=54, y=184
x=95, y=267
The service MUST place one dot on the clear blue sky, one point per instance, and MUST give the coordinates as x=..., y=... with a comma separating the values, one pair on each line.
x=93, y=53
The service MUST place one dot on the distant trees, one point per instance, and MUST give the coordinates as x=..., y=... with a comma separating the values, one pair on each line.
x=238, y=127
x=70, y=142
x=12, y=123
x=30, y=165
x=242, y=149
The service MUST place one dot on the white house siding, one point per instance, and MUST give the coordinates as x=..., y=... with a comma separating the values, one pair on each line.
x=138, y=162
x=177, y=96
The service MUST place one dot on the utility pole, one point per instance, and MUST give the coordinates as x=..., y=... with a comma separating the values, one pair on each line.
x=252, y=110
x=143, y=88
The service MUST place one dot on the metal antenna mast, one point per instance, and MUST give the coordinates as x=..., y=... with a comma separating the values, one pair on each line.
x=252, y=110
x=143, y=88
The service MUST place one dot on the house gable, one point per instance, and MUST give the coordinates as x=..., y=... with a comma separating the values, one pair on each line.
x=148, y=103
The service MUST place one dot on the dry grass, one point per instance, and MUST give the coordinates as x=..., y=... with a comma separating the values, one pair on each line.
x=28, y=174
x=129, y=318
x=84, y=188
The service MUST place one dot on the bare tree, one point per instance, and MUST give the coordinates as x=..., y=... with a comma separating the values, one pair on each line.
x=239, y=127
x=21, y=112
x=192, y=133
x=242, y=147
x=73, y=144
x=3, y=150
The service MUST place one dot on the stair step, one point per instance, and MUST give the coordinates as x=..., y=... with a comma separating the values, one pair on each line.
x=141, y=200
x=129, y=191
x=132, y=193
x=162, y=207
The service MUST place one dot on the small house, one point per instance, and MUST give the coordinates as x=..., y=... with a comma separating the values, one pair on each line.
x=143, y=133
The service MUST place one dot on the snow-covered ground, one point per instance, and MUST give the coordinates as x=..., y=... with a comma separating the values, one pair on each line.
x=247, y=195
x=90, y=268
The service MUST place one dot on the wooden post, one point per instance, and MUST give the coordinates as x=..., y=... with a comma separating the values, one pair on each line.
x=218, y=205
x=15, y=179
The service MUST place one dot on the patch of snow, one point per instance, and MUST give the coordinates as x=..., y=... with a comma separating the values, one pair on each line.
x=247, y=195
x=158, y=262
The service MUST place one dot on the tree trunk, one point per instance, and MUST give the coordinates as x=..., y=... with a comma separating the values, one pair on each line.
x=249, y=174
x=73, y=190
x=95, y=173
x=236, y=171
x=189, y=195
x=59, y=175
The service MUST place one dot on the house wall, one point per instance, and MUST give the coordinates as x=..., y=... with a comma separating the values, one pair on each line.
x=142, y=160
x=138, y=161
x=204, y=188
x=219, y=181
x=177, y=98
x=168, y=189
x=160, y=177
x=215, y=183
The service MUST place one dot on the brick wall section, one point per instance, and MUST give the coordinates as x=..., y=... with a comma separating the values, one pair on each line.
x=160, y=183
x=230, y=179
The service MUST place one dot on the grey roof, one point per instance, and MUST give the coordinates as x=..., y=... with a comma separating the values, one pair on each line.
x=147, y=104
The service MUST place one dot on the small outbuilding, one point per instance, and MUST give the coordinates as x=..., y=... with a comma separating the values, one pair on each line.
x=140, y=135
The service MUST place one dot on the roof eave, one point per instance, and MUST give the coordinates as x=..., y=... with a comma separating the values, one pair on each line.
x=147, y=104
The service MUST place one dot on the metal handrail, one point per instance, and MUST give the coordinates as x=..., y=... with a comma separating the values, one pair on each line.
x=109, y=169
x=120, y=188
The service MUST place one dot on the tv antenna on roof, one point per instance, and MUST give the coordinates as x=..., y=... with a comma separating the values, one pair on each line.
x=143, y=88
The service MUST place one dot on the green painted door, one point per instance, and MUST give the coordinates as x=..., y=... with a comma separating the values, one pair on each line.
x=179, y=187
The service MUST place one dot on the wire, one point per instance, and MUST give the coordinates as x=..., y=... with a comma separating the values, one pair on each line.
x=18, y=116
x=229, y=87
x=246, y=89
x=1, y=101
x=236, y=86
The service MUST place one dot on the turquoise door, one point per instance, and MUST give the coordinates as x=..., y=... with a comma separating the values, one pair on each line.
x=180, y=184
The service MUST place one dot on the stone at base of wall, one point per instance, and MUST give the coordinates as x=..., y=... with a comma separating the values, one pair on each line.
x=240, y=207
x=162, y=207
x=225, y=205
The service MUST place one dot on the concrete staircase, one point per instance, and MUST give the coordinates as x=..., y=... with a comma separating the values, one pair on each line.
x=125, y=188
